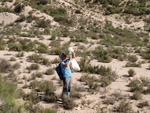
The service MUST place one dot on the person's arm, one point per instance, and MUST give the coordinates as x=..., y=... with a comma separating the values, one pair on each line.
x=73, y=55
x=68, y=63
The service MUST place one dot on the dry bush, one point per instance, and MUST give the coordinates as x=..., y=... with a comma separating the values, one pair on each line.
x=136, y=95
x=131, y=72
x=16, y=66
x=33, y=67
x=12, y=59
x=68, y=103
x=143, y=104
x=32, y=97
x=124, y=107
x=5, y=66
x=37, y=58
x=49, y=71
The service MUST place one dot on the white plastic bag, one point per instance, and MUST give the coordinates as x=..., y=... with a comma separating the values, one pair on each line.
x=70, y=50
x=74, y=65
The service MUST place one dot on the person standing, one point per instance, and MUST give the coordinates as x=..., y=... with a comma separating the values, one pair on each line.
x=67, y=73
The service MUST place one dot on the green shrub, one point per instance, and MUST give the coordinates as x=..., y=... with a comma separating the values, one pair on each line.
x=146, y=54
x=145, y=81
x=20, y=54
x=37, y=58
x=5, y=66
x=93, y=35
x=68, y=103
x=18, y=8
x=63, y=20
x=106, y=55
x=133, y=64
x=55, y=43
x=58, y=12
x=48, y=110
x=124, y=107
x=54, y=61
x=50, y=97
x=47, y=87
x=101, y=70
x=55, y=51
x=8, y=94
x=42, y=2
x=43, y=23
x=2, y=44
x=132, y=58
x=132, y=10
x=49, y=71
x=79, y=39
x=21, y=19
x=112, y=10
x=42, y=50
x=91, y=81
x=136, y=95
x=32, y=97
x=111, y=42
x=53, y=37
x=37, y=74
x=131, y=72
x=143, y=104
x=34, y=67
x=34, y=84
x=12, y=59
x=147, y=91
x=105, y=82
x=135, y=85
x=16, y=66
x=15, y=47
x=109, y=100
x=5, y=9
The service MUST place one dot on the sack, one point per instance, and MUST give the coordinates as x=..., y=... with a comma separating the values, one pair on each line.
x=59, y=72
x=74, y=65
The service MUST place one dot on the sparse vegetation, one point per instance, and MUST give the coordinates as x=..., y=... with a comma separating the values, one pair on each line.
x=33, y=67
x=103, y=33
x=124, y=107
x=107, y=74
x=143, y=104
x=107, y=55
x=49, y=71
x=35, y=75
x=68, y=103
x=131, y=72
x=32, y=97
x=135, y=85
x=43, y=23
x=37, y=58
x=54, y=61
x=136, y=95
x=5, y=66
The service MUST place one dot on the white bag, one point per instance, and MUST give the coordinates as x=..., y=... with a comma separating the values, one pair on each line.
x=74, y=65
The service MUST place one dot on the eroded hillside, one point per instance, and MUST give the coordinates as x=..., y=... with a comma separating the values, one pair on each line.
x=111, y=41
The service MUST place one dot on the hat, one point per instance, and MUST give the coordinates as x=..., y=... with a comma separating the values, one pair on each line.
x=62, y=55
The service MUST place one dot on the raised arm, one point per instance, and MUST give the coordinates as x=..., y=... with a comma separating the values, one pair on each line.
x=73, y=55
x=67, y=64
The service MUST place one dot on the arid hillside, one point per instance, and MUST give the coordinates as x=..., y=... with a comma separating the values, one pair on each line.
x=111, y=39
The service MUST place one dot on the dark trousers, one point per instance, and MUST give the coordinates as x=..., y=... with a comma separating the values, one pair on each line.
x=66, y=86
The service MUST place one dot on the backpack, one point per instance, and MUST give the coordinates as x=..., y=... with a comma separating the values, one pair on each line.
x=59, y=72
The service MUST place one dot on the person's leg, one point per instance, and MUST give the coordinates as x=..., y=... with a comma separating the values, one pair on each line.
x=64, y=92
x=66, y=86
x=69, y=87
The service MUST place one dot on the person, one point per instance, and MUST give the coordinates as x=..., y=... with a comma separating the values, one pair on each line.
x=67, y=73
